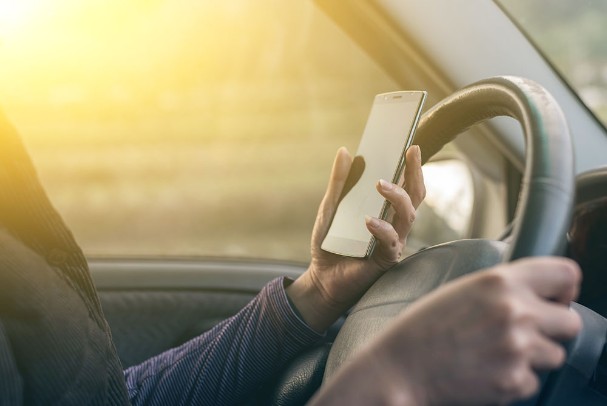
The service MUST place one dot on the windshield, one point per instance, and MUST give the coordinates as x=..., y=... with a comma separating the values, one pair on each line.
x=571, y=34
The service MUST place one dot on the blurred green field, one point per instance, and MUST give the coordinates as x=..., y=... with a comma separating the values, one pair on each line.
x=237, y=199
x=244, y=185
x=186, y=127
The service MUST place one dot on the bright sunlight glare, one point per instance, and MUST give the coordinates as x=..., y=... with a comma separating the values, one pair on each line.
x=17, y=15
x=104, y=57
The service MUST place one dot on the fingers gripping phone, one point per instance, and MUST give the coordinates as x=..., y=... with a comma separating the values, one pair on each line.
x=381, y=155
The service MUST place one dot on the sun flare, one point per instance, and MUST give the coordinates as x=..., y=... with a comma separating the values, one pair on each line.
x=16, y=15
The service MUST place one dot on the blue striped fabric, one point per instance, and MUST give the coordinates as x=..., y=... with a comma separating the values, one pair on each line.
x=55, y=344
x=225, y=365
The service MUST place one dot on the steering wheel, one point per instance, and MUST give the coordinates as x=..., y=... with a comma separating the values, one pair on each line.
x=542, y=216
x=539, y=228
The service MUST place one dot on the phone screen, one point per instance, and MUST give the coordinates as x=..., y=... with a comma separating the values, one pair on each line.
x=388, y=133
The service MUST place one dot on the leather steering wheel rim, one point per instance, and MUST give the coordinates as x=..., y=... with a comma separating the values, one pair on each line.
x=541, y=219
x=548, y=186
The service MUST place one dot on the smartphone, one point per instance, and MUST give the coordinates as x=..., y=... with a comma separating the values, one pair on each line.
x=381, y=155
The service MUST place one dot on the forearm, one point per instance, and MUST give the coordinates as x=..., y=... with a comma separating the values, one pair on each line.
x=226, y=364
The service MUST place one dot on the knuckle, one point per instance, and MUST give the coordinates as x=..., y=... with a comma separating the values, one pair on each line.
x=571, y=324
x=572, y=272
x=418, y=190
x=390, y=243
x=500, y=285
x=515, y=344
x=495, y=280
x=506, y=310
x=557, y=356
x=421, y=192
x=516, y=383
x=384, y=262
x=396, y=244
x=533, y=386
x=404, y=199
x=530, y=384
x=412, y=217
x=506, y=384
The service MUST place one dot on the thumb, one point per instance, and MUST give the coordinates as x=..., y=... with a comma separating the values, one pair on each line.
x=328, y=206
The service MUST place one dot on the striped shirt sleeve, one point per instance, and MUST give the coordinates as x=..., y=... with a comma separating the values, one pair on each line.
x=226, y=364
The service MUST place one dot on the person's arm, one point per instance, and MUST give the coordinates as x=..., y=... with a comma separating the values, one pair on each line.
x=226, y=364
x=229, y=362
x=11, y=388
x=478, y=340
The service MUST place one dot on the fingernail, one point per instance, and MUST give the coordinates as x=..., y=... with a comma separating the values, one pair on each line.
x=371, y=221
x=385, y=185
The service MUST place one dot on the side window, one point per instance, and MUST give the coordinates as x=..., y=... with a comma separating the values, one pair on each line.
x=446, y=213
x=210, y=137
x=213, y=136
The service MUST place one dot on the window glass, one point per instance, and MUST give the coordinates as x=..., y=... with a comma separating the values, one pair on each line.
x=571, y=35
x=184, y=127
x=446, y=213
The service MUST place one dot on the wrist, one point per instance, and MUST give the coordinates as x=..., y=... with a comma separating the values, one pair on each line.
x=312, y=303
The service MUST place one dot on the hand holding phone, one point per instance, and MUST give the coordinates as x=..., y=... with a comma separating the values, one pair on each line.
x=381, y=155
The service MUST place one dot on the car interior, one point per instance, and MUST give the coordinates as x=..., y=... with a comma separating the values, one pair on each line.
x=186, y=208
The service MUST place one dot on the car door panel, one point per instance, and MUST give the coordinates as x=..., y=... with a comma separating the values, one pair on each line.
x=155, y=305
